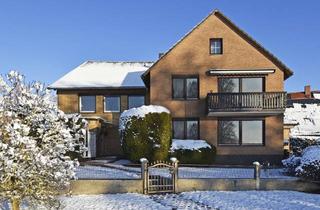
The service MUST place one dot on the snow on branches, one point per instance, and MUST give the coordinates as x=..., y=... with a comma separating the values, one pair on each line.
x=36, y=140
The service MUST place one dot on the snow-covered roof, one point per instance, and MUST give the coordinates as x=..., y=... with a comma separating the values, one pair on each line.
x=307, y=118
x=103, y=74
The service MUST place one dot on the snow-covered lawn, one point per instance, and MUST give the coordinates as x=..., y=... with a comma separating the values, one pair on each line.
x=195, y=200
x=96, y=172
x=110, y=201
x=123, y=172
x=192, y=172
x=198, y=200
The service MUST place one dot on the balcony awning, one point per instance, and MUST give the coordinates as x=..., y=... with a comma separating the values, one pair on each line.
x=232, y=72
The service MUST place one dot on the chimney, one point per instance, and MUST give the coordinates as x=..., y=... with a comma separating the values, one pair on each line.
x=161, y=54
x=307, y=91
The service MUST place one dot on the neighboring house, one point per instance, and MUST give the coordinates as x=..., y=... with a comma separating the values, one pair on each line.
x=219, y=84
x=301, y=99
x=305, y=97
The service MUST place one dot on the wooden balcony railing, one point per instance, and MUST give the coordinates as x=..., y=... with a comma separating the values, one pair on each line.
x=257, y=101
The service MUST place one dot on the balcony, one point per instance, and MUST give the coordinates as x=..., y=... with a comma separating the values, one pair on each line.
x=246, y=104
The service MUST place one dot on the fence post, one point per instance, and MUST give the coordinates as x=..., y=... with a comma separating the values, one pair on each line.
x=144, y=175
x=175, y=173
x=257, y=171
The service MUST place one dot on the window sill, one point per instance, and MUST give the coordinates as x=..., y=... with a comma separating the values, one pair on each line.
x=183, y=99
x=111, y=111
x=241, y=145
x=87, y=111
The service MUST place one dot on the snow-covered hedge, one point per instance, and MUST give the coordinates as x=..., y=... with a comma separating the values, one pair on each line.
x=306, y=166
x=188, y=144
x=146, y=132
x=310, y=163
x=139, y=112
x=193, y=151
x=298, y=144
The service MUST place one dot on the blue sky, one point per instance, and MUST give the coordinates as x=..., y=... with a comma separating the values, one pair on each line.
x=45, y=39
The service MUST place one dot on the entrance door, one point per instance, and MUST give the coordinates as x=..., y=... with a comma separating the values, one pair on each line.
x=91, y=144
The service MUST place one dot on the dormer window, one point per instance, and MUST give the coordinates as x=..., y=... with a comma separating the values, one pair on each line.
x=216, y=46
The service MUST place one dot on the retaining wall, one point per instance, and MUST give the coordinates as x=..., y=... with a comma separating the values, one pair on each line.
x=184, y=185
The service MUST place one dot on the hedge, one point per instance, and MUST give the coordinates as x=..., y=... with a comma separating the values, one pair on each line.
x=148, y=137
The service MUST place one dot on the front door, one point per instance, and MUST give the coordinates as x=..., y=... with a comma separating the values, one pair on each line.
x=91, y=144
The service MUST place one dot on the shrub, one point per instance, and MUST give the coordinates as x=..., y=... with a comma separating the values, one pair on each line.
x=146, y=132
x=193, y=151
x=309, y=167
x=297, y=145
x=291, y=164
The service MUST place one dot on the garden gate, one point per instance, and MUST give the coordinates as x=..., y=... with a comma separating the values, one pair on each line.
x=159, y=176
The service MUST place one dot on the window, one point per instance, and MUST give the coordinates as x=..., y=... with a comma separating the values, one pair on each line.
x=229, y=85
x=185, y=87
x=112, y=103
x=185, y=129
x=252, y=132
x=229, y=132
x=252, y=84
x=236, y=85
x=135, y=101
x=216, y=46
x=87, y=103
x=241, y=132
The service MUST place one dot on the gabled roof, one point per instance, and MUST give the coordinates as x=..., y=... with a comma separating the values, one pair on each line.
x=287, y=71
x=104, y=74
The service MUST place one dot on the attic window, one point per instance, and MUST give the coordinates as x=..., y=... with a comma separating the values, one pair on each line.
x=216, y=46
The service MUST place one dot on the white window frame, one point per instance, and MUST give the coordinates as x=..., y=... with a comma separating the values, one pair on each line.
x=214, y=48
x=87, y=111
x=104, y=104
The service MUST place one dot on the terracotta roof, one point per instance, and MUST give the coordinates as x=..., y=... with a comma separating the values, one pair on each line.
x=287, y=71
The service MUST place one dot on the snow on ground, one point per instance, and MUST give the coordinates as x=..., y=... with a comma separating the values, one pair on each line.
x=308, y=118
x=111, y=201
x=255, y=199
x=123, y=172
x=221, y=200
x=240, y=173
x=188, y=144
x=96, y=172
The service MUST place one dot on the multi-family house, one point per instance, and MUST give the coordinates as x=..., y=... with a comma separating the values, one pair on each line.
x=219, y=84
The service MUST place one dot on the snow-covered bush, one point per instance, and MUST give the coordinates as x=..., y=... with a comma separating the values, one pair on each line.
x=146, y=132
x=298, y=144
x=306, y=166
x=291, y=164
x=193, y=151
x=310, y=163
x=35, y=138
